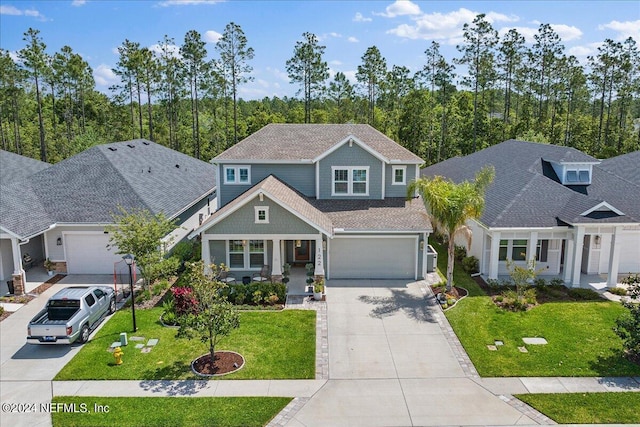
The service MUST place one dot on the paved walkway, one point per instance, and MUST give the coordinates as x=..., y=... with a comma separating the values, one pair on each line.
x=386, y=355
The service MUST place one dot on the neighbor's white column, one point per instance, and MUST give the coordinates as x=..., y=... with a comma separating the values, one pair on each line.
x=493, y=257
x=577, y=256
x=17, y=256
x=276, y=261
x=568, y=260
x=614, y=258
x=531, y=249
x=319, y=262
x=206, y=254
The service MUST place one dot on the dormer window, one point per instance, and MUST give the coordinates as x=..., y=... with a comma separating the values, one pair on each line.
x=577, y=176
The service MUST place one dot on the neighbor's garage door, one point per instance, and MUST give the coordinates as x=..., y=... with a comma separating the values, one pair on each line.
x=88, y=254
x=629, y=253
x=372, y=258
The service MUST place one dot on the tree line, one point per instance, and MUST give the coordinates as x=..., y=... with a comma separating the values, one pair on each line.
x=172, y=94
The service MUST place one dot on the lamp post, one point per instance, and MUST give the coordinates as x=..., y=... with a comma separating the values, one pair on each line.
x=129, y=260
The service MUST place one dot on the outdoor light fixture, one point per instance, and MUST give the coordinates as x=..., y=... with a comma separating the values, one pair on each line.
x=324, y=245
x=422, y=245
x=129, y=259
x=298, y=243
x=244, y=243
x=59, y=241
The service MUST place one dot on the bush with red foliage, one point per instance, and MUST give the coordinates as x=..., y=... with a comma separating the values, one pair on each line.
x=184, y=301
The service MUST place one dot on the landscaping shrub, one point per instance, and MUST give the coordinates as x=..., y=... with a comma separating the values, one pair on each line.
x=628, y=325
x=618, y=291
x=539, y=282
x=471, y=264
x=256, y=293
x=583, y=294
x=556, y=282
x=1, y=310
x=184, y=301
x=460, y=253
x=493, y=284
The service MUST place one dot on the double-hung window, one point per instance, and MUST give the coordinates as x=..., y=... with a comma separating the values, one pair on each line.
x=237, y=175
x=399, y=175
x=350, y=181
x=246, y=254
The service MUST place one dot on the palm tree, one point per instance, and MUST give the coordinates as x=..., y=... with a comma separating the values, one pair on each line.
x=451, y=205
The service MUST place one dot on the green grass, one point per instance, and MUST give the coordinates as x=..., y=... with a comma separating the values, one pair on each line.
x=580, y=336
x=275, y=345
x=185, y=411
x=587, y=408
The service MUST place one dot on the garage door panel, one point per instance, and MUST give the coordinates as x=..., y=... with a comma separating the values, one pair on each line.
x=90, y=254
x=372, y=258
x=629, y=253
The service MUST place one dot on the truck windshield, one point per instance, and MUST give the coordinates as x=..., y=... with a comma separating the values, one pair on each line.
x=62, y=309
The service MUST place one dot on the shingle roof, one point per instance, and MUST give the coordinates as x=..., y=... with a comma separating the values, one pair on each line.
x=88, y=187
x=392, y=214
x=527, y=193
x=14, y=167
x=626, y=166
x=297, y=142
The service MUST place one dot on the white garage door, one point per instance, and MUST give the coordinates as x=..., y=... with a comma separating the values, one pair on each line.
x=372, y=258
x=629, y=253
x=88, y=254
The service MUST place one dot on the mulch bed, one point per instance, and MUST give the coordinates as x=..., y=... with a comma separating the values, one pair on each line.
x=225, y=363
x=24, y=299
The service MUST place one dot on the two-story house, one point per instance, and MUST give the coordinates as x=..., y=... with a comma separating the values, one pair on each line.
x=331, y=195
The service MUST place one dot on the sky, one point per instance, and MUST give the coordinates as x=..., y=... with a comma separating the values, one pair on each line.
x=402, y=30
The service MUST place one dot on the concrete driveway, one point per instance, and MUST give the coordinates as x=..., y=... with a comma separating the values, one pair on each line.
x=390, y=364
x=26, y=370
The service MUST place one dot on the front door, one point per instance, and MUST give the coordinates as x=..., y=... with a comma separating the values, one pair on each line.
x=302, y=250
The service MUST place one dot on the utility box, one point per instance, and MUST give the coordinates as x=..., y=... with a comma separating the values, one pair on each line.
x=432, y=259
x=123, y=339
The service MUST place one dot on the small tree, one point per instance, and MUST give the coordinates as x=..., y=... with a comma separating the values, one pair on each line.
x=628, y=325
x=140, y=233
x=213, y=316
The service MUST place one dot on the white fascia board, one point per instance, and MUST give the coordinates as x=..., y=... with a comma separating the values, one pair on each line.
x=379, y=233
x=190, y=205
x=262, y=161
x=602, y=205
x=558, y=228
x=362, y=145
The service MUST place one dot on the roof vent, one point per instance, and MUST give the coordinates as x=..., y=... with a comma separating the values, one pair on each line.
x=113, y=149
x=149, y=170
x=145, y=142
x=177, y=166
x=131, y=146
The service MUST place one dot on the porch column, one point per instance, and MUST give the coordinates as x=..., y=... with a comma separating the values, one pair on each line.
x=206, y=254
x=319, y=262
x=533, y=243
x=568, y=259
x=493, y=257
x=614, y=258
x=276, y=261
x=19, y=278
x=577, y=256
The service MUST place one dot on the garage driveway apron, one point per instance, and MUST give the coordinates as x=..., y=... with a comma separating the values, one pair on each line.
x=390, y=364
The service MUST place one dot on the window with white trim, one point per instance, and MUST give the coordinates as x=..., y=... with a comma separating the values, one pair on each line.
x=399, y=175
x=246, y=254
x=516, y=248
x=261, y=214
x=350, y=181
x=237, y=175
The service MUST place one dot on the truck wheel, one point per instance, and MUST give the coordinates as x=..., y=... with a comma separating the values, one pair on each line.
x=84, y=334
x=112, y=306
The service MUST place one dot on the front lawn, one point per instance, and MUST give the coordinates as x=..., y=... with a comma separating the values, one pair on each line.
x=152, y=411
x=580, y=336
x=587, y=408
x=275, y=345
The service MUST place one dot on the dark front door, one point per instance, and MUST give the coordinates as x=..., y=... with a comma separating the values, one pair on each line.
x=302, y=251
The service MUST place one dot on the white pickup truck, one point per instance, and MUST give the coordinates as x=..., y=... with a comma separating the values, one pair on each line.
x=71, y=314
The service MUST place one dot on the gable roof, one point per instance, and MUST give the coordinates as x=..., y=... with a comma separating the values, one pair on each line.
x=14, y=167
x=88, y=187
x=293, y=143
x=625, y=166
x=280, y=193
x=527, y=193
x=331, y=216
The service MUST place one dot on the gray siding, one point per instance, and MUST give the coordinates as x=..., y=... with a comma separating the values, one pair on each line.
x=300, y=177
x=351, y=156
x=242, y=221
x=398, y=190
x=180, y=219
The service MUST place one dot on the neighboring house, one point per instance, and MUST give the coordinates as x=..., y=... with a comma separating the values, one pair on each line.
x=331, y=195
x=571, y=212
x=60, y=211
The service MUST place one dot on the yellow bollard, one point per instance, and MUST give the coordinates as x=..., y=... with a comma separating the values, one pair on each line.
x=117, y=353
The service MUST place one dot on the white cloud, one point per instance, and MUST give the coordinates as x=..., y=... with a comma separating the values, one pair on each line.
x=335, y=62
x=400, y=8
x=168, y=3
x=581, y=52
x=14, y=11
x=565, y=32
x=353, y=40
x=625, y=29
x=173, y=50
x=212, y=36
x=279, y=74
x=351, y=76
x=360, y=18
x=78, y=3
x=326, y=36
x=104, y=75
